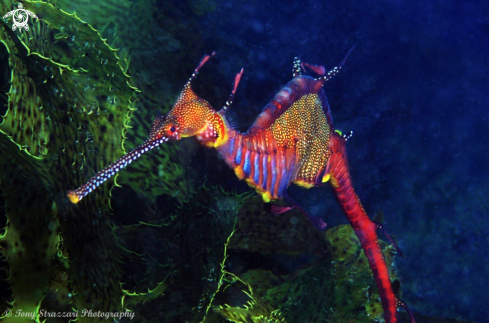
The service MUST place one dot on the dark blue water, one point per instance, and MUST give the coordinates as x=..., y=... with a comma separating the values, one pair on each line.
x=415, y=94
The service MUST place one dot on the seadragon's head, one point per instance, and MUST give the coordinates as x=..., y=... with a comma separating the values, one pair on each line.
x=189, y=116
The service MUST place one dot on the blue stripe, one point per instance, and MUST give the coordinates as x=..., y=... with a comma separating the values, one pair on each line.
x=283, y=179
x=257, y=167
x=238, y=154
x=265, y=171
x=246, y=166
x=231, y=143
x=283, y=184
x=274, y=173
x=286, y=175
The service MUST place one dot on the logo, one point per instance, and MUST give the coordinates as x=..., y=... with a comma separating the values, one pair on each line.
x=21, y=17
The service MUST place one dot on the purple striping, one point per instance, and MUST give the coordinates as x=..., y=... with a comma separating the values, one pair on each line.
x=257, y=170
x=264, y=172
x=246, y=162
x=273, y=167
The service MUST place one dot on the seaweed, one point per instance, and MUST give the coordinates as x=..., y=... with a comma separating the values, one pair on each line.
x=67, y=115
x=122, y=23
x=187, y=247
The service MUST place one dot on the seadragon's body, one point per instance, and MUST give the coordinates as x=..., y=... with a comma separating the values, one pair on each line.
x=292, y=141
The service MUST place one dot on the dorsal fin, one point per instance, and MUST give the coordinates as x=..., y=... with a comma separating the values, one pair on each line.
x=317, y=69
x=229, y=102
x=203, y=60
x=299, y=66
x=187, y=93
x=335, y=69
x=284, y=99
x=226, y=111
x=231, y=119
x=317, y=222
x=296, y=67
x=293, y=91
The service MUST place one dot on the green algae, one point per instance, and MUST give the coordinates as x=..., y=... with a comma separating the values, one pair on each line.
x=69, y=109
x=356, y=295
x=191, y=245
x=66, y=119
x=29, y=242
x=239, y=303
x=338, y=287
x=161, y=172
x=123, y=23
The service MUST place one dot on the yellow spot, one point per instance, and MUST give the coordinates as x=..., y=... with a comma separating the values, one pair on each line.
x=266, y=196
x=303, y=130
x=250, y=182
x=239, y=172
x=223, y=135
x=326, y=178
x=334, y=182
x=73, y=197
x=303, y=183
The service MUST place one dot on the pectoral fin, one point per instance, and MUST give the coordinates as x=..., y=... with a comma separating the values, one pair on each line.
x=279, y=209
x=276, y=209
x=317, y=222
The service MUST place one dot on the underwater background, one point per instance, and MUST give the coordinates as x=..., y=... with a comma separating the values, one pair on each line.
x=181, y=239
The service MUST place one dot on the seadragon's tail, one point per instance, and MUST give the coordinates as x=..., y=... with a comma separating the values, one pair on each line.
x=363, y=226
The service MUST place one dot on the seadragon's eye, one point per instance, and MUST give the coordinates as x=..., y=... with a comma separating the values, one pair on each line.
x=172, y=129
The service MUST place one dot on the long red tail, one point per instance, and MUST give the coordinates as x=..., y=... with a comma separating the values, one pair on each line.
x=365, y=228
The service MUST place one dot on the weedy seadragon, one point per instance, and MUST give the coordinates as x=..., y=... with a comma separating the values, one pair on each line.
x=292, y=141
